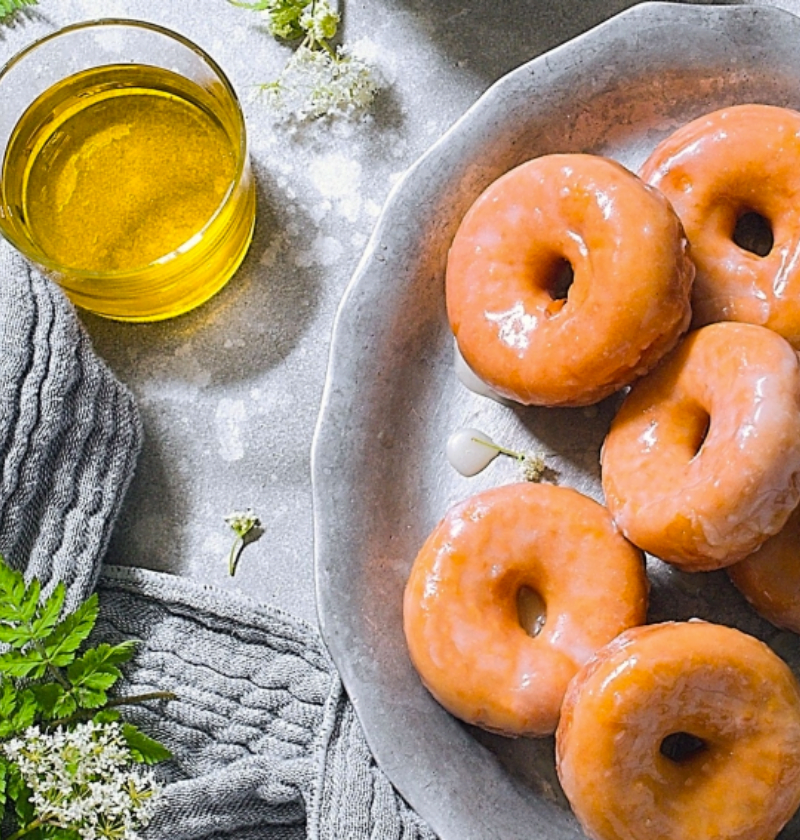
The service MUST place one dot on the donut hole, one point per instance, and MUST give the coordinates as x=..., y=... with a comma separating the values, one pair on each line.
x=698, y=430
x=753, y=233
x=558, y=284
x=682, y=747
x=531, y=610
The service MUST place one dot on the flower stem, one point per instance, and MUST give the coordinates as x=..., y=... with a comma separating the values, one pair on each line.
x=233, y=558
x=52, y=669
x=26, y=829
x=501, y=449
x=130, y=700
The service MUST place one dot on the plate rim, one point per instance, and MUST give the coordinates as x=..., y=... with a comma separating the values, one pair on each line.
x=332, y=397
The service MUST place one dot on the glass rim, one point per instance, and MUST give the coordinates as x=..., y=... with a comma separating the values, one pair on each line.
x=82, y=274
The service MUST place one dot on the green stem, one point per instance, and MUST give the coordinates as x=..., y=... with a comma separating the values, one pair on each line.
x=328, y=48
x=53, y=670
x=233, y=558
x=26, y=829
x=130, y=700
x=501, y=449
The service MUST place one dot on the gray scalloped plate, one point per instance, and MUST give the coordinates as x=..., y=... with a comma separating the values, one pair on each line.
x=381, y=481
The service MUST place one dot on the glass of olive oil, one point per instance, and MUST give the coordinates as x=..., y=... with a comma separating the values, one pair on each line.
x=125, y=173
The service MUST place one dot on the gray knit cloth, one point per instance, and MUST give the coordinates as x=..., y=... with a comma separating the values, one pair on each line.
x=264, y=739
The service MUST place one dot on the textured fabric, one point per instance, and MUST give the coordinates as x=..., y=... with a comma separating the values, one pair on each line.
x=265, y=742
x=69, y=436
x=262, y=732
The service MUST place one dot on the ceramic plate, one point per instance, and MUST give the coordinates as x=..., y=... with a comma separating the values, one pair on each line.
x=381, y=480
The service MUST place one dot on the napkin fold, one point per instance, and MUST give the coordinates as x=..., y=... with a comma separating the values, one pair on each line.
x=265, y=742
x=69, y=436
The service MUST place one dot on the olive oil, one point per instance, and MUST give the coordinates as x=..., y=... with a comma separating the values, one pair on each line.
x=131, y=184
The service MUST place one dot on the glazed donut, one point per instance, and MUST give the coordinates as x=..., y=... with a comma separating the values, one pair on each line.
x=461, y=609
x=717, y=169
x=702, y=462
x=629, y=300
x=770, y=578
x=681, y=730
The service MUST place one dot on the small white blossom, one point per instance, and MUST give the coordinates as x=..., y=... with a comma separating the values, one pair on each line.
x=316, y=83
x=84, y=779
x=247, y=527
x=242, y=521
x=320, y=21
x=532, y=467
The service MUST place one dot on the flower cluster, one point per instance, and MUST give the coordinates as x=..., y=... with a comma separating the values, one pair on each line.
x=317, y=83
x=83, y=779
x=318, y=80
x=66, y=758
x=531, y=466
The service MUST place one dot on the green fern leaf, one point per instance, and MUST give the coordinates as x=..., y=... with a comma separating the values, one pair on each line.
x=50, y=612
x=28, y=664
x=48, y=695
x=143, y=749
x=68, y=635
x=12, y=589
x=8, y=7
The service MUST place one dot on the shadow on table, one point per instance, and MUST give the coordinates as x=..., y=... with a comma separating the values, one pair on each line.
x=259, y=316
x=492, y=38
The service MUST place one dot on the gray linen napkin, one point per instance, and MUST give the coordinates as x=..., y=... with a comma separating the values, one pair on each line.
x=265, y=741
x=69, y=436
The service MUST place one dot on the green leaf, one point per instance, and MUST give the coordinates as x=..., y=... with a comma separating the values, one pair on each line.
x=8, y=700
x=52, y=832
x=12, y=590
x=64, y=706
x=97, y=667
x=29, y=663
x=8, y=7
x=107, y=716
x=100, y=680
x=4, y=764
x=89, y=698
x=21, y=715
x=16, y=635
x=20, y=794
x=143, y=748
x=25, y=713
x=8, y=708
x=94, y=672
x=49, y=613
x=283, y=16
x=47, y=695
x=30, y=601
x=68, y=635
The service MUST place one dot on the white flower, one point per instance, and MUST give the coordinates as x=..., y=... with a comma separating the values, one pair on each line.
x=532, y=467
x=316, y=83
x=242, y=521
x=247, y=527
x=84, y=779
x=321, y=22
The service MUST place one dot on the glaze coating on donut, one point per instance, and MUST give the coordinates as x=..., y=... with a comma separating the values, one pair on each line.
x=628, y=302
x=702, y=462
x=714, y=170
x=770, y=578
x=460, y=612
x=714, y=683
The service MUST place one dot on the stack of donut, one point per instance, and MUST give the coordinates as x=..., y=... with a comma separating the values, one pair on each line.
x=569, y=279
